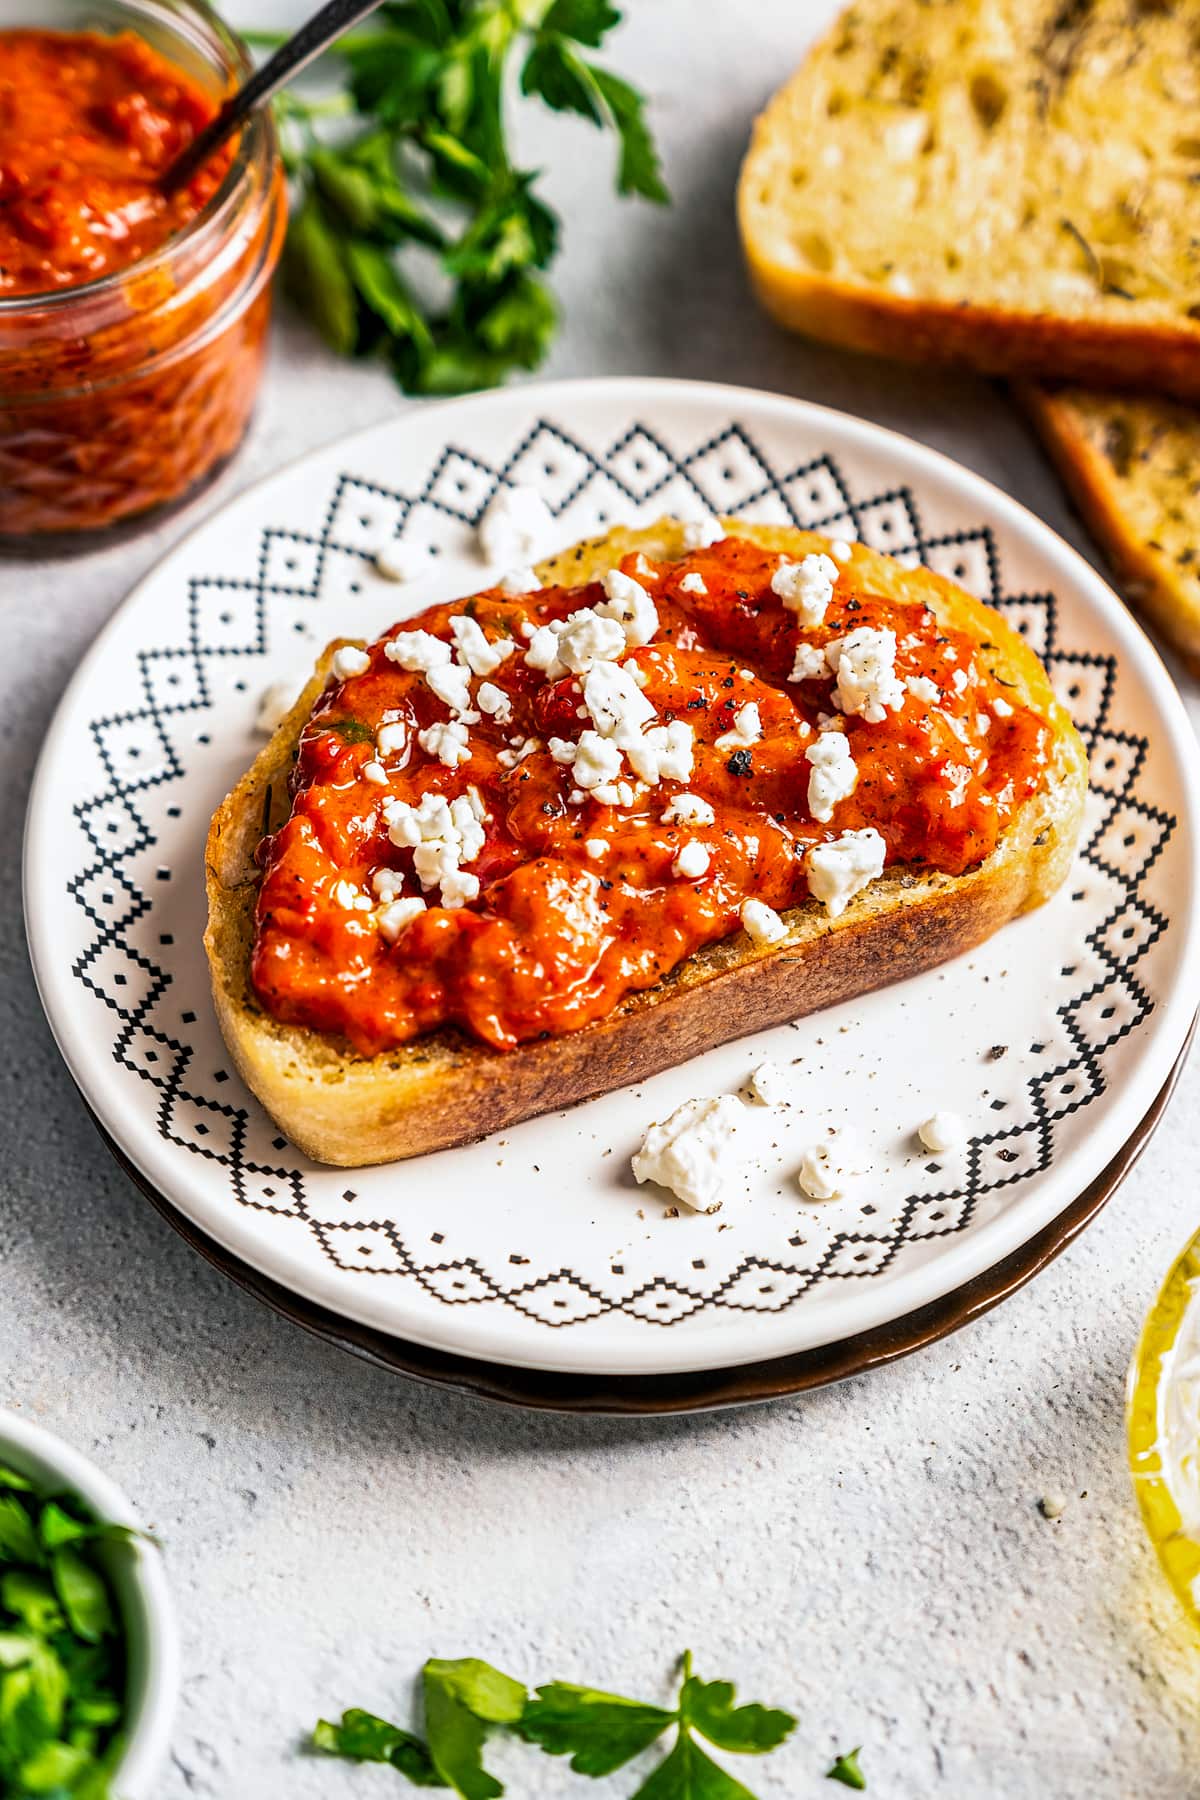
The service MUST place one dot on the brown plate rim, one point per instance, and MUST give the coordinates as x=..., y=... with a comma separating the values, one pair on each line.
x=706, y=1390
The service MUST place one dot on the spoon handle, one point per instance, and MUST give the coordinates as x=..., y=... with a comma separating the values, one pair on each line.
x=327, y=24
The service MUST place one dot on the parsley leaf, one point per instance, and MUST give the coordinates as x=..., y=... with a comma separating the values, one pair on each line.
x=847, y=1771
x=417, y=238
x=462, y=1699
x=599, y=1731
x=748, y=1730
x=688, y=1774
x=361, y=1737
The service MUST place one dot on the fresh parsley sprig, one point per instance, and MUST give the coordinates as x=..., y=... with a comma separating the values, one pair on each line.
x=600, y=1732
x=416, y=237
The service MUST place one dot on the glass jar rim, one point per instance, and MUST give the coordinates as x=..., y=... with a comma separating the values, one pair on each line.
x=254, y=150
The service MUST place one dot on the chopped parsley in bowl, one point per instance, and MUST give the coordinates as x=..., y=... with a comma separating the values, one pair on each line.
x=88, y=1653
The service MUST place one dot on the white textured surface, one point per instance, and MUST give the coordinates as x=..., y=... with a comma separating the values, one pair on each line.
x=871, y=1557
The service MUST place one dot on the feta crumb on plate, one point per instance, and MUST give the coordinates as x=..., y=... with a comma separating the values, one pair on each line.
x=817, y=1176
x=515, y=527
x=401, y=561
x=942, y=1131
x=768, y=1083
x=692, y=1152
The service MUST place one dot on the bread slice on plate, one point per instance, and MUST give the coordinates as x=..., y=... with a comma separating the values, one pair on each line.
x=1009, y=184
x=447, y=1088
x=1132, y=465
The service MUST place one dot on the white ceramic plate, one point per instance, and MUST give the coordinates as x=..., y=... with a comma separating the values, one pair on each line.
x=535, y=1247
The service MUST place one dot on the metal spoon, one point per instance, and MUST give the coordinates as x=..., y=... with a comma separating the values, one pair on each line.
x=334, y=18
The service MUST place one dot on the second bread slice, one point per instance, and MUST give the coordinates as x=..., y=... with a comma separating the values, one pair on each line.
x=1005, y=183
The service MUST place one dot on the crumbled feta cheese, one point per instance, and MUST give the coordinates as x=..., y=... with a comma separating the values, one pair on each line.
x=375, y=772
x=834, y=774
x=691, y=1152
x=458, y=888
x=942, y=1131
x=418, y=651
x=391, y=739
x=595, y=760
x=840, y=869
x=746, y=729
x=352, y=899
x=448, y=742
x=515, y=526
x=761, y=923
x=810, y=664
x=350, y=661
x=1001, y=708
x=597, y=848
x=769, y=1084
x=806, y=587
x=615, y=703
x=631, y=607
x=519, y=581
x=983, y=723
x=693, y=584
x=542, y=650
x=688, y=809
x=392, y=918
x=400, y=561
x=841, y=550
x=494, y=701
x=864, y=662
x=274, y=704
x=452, y=685
x=517, y=751
x=388, y=884
x=958, y=680
x=692, y=861
x=702, y=534
x=442, y=835
x=615, y=793
x=817, y=1176
x=645, y=569
x=664, y=753
x=586, y=638
x=474, y=650
x=921, y=688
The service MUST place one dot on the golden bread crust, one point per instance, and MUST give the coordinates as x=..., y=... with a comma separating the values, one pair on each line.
x=447, y=1089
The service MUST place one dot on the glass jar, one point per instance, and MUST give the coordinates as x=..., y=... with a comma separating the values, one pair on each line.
x=122, y=395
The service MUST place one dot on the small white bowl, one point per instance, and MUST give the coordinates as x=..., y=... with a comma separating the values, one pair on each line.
x=140, y=1586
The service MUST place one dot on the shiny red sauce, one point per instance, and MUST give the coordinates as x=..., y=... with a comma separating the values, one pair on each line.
x=87, y=123
x=558, y=935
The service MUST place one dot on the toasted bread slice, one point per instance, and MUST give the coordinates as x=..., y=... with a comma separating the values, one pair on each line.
x=1132, y=465
x=447, y=1089
x=1003, y=183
